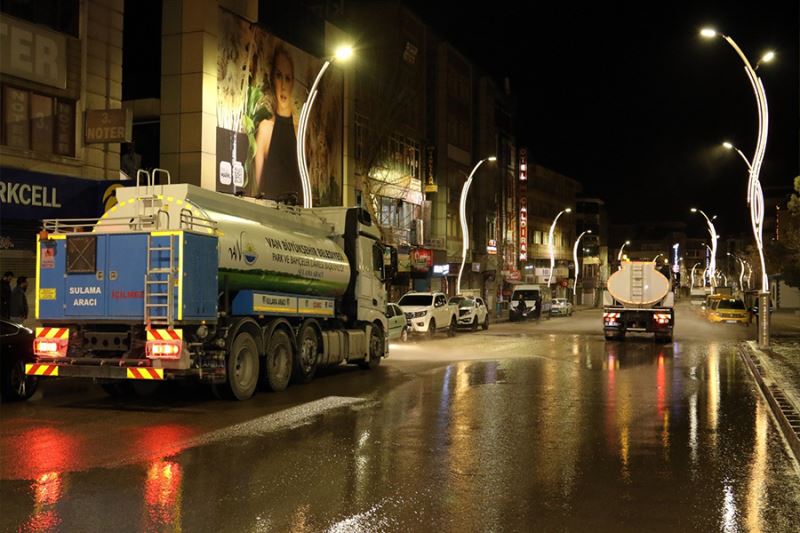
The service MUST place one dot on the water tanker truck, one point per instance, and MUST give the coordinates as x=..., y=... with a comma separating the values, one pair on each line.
x=638, y=299
x=179, y=282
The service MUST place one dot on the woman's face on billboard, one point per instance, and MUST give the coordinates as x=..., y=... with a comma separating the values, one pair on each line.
x=283, y=80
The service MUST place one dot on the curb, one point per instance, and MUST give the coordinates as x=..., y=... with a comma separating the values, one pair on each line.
x=787, y=416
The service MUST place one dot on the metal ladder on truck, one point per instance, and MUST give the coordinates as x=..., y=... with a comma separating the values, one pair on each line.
x=158, y=282
x=637, y=282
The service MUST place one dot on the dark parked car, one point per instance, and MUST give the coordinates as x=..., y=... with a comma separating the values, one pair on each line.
x=16, y=349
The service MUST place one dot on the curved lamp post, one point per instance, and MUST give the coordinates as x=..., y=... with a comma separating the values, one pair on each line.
x=712, y=231
x=693, y=267
x=619, y=255
x=577, y=267
x=342, y=54
x=463, y=215
x=656, y=257
x=741, y=273
x=551, y=245
x=755, y=196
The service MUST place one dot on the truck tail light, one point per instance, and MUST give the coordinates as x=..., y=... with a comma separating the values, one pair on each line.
x=662, y=318
x=45, y=347
x=164, y=349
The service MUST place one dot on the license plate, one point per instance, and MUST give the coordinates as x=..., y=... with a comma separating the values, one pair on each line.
x=731, y=321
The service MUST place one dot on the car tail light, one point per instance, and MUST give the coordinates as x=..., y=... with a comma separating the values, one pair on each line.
x=662, y=318
x=164, y=349
x=50, y=347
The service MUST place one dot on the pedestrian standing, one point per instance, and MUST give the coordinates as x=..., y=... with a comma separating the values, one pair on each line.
x=19, y=302
x=5, y=295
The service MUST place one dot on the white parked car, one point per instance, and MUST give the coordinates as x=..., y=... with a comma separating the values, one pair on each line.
x=472, y=312
x=428, y=312
x=561, y=307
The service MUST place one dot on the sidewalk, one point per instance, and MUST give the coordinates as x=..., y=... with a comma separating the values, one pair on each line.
x=777, y=372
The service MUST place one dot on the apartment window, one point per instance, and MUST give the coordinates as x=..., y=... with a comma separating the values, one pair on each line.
x=37, y=122
x=537, y=237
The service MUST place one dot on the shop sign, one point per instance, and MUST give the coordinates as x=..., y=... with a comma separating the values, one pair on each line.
x=421, y=259
x=33, y=196
x=513, y=275
x=523, y=204
x=108, y=125
x=32, y=53
x=491, y=247
x=441, y=270
x=476, y=267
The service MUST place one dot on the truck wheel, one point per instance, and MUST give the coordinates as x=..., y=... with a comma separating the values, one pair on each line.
x=375, y=353
x=485, y=324
x=279, y=360
x=305, y=364
x=432, y=328
x=243, y=366
x=451, y=331
x=17, y=385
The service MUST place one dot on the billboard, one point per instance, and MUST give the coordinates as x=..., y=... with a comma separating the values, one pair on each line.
x=262, y=84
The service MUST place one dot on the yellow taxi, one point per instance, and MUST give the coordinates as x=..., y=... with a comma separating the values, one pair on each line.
x=709, y=304
x=728, y=310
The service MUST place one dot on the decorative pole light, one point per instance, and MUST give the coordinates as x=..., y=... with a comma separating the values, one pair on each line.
x=551, y=245
x=463, y=215
x=577, y=266
x=343, y=53
x=741, y=273
x=655, y=259
x=693, y=267
x=755, y=196
x=712, y=231
x=619, y=255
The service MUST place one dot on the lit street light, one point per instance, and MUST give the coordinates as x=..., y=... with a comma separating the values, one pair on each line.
x=655, y=259
x=712, y=231
x=741, y=273
x=343, y=53
x=463, y=214
x=755, y=196
x=577, y=267
x=693, y=267
x=619, y=255
x=552, y=245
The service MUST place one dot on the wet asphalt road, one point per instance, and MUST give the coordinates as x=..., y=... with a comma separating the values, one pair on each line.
x=525, y=427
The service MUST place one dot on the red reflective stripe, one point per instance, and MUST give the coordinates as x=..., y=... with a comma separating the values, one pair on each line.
x=153, y=373
x=34, y=368
x=61, y=333
x=50, y=370
x=44, y=332
x=156, y=334
x=173, y=334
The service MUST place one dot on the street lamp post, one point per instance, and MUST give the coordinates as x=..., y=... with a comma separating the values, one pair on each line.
x=463, y=215
x=755, y=196
x=741, y=272
x=551, y=245
x=712, y=231
x=577, y=267
x=619, y=255
x=655, y=259
x=693, y=267
x=342, y=53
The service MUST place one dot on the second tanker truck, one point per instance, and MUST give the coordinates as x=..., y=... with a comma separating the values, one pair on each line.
x=638, y=299
x=176, y=281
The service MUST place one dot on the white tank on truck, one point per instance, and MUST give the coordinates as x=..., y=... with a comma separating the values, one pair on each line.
x=177, y=282
x=638, y=299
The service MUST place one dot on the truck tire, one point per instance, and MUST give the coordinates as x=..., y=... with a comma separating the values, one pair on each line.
x=242, y=367
x=305, y=364
x=432, y=328
x=375, y=353
x=451, y=331
x=279, y=357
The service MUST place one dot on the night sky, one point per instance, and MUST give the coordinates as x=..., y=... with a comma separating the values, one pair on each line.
x=629, y=100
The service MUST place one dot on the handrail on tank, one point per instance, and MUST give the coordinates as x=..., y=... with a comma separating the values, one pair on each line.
x=190, y=221
x=157, y=171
